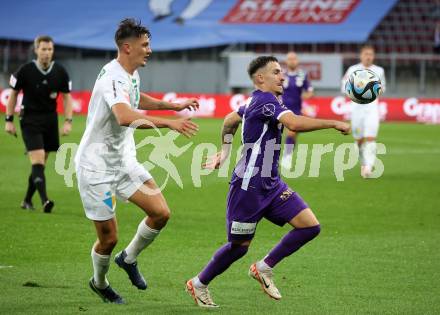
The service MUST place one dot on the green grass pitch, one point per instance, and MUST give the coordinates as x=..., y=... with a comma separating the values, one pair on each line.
x=378, y=252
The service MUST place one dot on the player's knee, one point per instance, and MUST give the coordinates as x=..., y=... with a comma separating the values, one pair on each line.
x=165, y=215
x=315, y=230
x=162, y=216
x=244, y=243
x=109, y=243
x=239, y=249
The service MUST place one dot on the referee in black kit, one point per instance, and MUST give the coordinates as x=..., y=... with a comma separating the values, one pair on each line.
x=41, y=80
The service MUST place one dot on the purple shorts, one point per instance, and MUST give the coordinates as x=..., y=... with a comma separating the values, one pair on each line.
x=245, y=208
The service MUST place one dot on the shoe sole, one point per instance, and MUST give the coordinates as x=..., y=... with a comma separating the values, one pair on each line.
x=255, y=275
x=189, y=288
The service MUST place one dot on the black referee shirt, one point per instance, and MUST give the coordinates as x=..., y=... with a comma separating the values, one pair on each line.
x=40, y=87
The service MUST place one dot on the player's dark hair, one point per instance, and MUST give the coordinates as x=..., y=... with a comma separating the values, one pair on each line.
x=42, y=38
x=130, y=28
x=366, y=46
x=258, y=63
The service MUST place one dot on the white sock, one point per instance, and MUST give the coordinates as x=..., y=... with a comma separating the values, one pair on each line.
x=362, y=153
x=197, y=283
x=261, y=265
x=101, y=263
x=143, y=237
x=370, y=153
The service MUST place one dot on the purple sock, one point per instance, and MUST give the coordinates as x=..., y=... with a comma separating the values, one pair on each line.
x=290, y=243
x=221, y=261
x=289, y=146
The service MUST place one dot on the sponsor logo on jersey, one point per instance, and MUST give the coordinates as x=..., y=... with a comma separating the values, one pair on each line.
x=243, y=228
x=268, y=109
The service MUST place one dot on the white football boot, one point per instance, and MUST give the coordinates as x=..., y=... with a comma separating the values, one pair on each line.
x=365, y=171
x=200, y=295
x=264, y=277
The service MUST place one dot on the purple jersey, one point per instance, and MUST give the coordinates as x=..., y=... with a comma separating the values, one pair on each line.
x=294, y=84
x=261, y=137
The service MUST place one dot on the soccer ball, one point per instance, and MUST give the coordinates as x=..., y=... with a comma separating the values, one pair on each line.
x=363, y=86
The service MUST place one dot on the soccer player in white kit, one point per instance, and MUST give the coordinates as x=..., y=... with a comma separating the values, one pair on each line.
x=365, y=117
x=106, y=161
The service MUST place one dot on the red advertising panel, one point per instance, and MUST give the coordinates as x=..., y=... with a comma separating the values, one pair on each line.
x=219, y=105
x=290, y=12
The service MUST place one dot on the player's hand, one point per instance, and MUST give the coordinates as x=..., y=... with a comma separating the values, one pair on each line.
x=184, y=126
x=343, y=127
x=10, y=128
x=192, y=104
x=67, y=128
x=215, y=161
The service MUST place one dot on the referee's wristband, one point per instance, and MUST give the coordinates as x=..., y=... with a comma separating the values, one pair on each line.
x=69, y=120
x=9, y=118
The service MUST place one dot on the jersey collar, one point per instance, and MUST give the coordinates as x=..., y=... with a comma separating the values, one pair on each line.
x=41, y=70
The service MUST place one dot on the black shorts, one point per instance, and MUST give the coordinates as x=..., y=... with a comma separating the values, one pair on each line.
x=40, y=131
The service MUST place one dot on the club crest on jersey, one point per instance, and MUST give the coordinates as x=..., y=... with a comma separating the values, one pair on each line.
x=286, y=194
x=110, y=201
x=268, y=109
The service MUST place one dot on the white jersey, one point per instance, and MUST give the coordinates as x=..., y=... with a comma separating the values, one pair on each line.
x=376, y=69
x=106, y=146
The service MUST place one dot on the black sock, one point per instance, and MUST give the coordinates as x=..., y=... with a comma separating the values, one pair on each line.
x=30, y=190
x=39, y=180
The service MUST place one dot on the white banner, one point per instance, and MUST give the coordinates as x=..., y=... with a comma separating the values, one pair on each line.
x=324, y=70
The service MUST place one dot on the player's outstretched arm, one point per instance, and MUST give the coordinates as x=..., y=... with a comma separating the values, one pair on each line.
x=229, y=128
x=148, y=102
x=301, y=123
x=125, y=116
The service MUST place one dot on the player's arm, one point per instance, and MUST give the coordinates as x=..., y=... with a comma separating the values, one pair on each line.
x=230, y=125
x=9, y=125
x=383, y=81
x=126, y=116
x=68, y=113
x=148, y=102
x=302, y=124
x=307, y=89
x=307, y=94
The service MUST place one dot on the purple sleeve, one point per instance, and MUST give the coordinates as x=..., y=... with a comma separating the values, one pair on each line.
x=240, y=111
x=273, y=110
x=307, y=86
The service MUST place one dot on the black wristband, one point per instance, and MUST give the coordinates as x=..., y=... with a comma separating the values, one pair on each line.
x=69, y=120
x=9, y=118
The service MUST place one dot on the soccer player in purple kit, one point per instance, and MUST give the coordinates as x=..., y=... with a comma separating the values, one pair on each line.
x=256, y=190
x=297, y=88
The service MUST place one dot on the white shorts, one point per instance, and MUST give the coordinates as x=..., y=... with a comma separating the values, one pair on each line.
x=98, y=190
x=364, y=120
